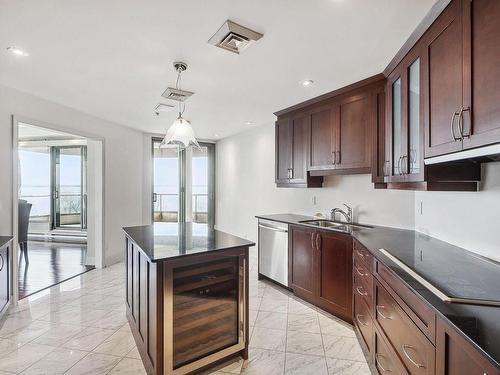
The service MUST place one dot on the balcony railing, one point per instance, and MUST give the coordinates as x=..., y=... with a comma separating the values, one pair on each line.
x=166, y=207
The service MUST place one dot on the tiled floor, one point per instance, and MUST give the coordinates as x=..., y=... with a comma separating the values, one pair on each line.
x=79, y=327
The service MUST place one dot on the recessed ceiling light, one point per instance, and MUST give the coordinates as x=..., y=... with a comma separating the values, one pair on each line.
x=248, y=122
x=216, y=135
x=17, y=51
x=307, y=82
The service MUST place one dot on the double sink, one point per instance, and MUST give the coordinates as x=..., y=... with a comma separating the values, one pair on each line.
x=335, y=225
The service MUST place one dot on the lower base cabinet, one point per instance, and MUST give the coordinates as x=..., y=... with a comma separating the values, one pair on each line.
x=321, y=269
x=396, y=342
x=455, y=356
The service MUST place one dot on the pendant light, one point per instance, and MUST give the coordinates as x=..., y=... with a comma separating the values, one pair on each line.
x=181, y=132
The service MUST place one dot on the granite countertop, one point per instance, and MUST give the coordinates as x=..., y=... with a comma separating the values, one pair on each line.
x=164, y=241
x=4, y=240
x=453, y=270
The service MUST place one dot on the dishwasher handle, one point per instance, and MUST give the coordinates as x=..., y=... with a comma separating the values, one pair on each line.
x=276, y=229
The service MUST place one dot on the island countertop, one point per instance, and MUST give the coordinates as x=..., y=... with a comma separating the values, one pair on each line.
x=163, y=241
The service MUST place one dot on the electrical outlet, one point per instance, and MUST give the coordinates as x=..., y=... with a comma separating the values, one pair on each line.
x=314, y=200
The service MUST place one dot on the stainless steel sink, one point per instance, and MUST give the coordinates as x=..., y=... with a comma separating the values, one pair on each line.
x=335, y=225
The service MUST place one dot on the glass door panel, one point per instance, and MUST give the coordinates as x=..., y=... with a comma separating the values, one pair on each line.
x=396, y=127
x=34, y=186
x=166, y=187
x=68, y=187
x=414, y=117
x=183, y=186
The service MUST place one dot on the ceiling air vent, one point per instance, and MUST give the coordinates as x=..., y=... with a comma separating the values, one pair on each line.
x=233, y=37
x=177, y=95
x=162, y=107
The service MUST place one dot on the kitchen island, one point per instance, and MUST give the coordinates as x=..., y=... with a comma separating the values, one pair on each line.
x=186, y=296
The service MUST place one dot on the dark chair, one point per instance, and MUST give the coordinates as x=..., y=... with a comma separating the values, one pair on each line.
x=23, y=219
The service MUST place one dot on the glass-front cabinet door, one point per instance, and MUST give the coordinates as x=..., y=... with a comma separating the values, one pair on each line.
x=394, y=128
x=412, y=161
x=404, y=149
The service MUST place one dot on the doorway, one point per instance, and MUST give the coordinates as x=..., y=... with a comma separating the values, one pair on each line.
x=183, y=186
x=56, y=227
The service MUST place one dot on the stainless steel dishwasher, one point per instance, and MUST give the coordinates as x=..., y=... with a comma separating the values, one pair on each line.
x=273, y=250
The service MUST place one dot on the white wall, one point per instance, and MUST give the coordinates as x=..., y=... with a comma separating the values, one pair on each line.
x=122, y=170
x=245, y=188
x=469, y=220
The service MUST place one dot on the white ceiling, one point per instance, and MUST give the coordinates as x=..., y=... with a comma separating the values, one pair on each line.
x=113, y=59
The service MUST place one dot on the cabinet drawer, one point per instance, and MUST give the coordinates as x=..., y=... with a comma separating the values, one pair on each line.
x=421, y=314
x=363, y=256
x=362, y=292
x=361, y=273
x=386, y=361
x=363, y=320
x=414, y=349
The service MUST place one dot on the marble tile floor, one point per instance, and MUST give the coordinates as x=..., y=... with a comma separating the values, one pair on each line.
x=80, y=327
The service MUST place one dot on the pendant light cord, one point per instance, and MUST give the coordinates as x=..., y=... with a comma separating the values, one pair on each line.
x=178, y=87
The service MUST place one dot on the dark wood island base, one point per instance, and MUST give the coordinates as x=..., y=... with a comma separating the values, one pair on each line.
x=187, y=298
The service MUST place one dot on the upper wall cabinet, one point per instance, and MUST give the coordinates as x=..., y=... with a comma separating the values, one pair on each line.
x=292, y=145
x=462, y=94
x=331, y=135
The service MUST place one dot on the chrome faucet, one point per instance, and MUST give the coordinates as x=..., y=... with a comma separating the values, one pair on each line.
x=347, y=215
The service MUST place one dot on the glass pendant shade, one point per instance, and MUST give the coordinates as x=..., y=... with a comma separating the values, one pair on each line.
x=181, y=134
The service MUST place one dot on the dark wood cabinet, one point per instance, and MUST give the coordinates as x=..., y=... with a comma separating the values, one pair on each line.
x=462, y=95
x=323, y=138
x=481, y=24
x=5, y=277
x=354, y=130
x=334, y=273
x=443, y=88
x=292, y=145
x=454, y=356
x=302, y=261
x=321, y=269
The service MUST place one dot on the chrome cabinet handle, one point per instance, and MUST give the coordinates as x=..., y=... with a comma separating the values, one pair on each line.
x=386, y=168
x=359, y=272
x=359, y=320
x=3, y=262
x=460, y=122
x=312, y=240
x=452, y=127
x=360, y=290
x=399, y=165
x=377, y=355
x=360, y=253
x=338, y=159
x=416, y=364
x=380, y=307
x=334, y=157
x=318, y=241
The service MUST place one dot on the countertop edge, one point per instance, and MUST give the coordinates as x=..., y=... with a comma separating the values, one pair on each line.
x=388, y=266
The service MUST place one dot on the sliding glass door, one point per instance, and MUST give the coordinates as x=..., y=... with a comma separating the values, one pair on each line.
x=69, y=190
x=183, y=185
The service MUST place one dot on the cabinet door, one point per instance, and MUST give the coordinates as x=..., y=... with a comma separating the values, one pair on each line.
x=413, y=154
x=302, y=262
x=334, y=274
x=443, y=58
x=284, y=151
x=454, y=356
x=322, y=138
x=481, y=124
x=300, y=140
x=394, y=126
x=353, y=143
x=380, y=162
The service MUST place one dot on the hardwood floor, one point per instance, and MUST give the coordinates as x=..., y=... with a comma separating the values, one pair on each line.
x=50, y=263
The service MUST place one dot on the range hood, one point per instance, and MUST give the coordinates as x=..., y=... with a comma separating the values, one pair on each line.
x=481, y=154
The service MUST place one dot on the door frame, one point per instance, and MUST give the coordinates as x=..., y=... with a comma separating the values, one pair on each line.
x=182, y=181
x=98, y=233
